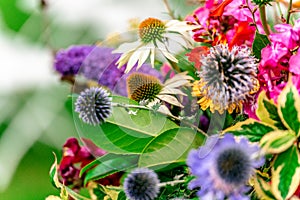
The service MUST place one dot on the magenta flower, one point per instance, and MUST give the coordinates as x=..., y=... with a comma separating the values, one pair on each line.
x=294, y=63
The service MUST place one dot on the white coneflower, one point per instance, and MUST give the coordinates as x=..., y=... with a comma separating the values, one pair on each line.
x=141, y=184
x=142, y=87
x=227, y=78
x=93, y=105
x=154, y=34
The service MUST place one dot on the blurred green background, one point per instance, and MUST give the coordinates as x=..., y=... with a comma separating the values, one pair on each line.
x=33, y=120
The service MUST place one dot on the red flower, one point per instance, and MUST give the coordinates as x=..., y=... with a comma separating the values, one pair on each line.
x=75, y=157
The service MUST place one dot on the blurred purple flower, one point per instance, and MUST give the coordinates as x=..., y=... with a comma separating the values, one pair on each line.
x=68, y=61
x=98, y=64
x=226, y=168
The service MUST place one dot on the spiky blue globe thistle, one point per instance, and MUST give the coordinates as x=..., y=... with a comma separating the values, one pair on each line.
x=223, y=167
x=93, y=105
x=141, y=184
x=227, y=78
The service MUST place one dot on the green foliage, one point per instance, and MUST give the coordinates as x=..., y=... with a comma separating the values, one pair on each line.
x=278, y=133
x=260, y=41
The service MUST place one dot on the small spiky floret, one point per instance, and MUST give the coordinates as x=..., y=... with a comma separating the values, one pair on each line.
x=143, y=87
x=227, y=78
x=93, y=105
x=141, y=184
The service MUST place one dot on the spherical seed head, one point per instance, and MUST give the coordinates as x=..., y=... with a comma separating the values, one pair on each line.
x=93, y=105
x=141, y=184
x=143, y=87
x=227, y=77
x=151, y=29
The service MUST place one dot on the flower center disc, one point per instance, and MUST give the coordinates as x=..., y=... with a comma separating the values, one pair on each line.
x=233, y=166
x=151, y=29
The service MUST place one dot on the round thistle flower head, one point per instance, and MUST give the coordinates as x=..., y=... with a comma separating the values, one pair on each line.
x=141, y=184
x=93, y=105
x=225, y=169
x=227, y=78
x=143, y=87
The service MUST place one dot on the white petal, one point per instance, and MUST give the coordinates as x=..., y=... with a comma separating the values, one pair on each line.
x=144, y=55
x=126, y=47
x=164, y=109
x=178, y=80
x=180, y=26
x=152, y=56
x=133, y=59
x=169, y=90
x=124, y=59
x=170, y=99
x=165, y=52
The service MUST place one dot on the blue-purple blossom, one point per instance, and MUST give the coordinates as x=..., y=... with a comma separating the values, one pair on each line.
x=223, y=169
x=93, y=105
x=141, y=184
x=68, y=61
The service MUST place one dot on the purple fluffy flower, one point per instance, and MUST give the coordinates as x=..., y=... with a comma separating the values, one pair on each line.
x=68, y=61
x=98, y=64
x=223, y=166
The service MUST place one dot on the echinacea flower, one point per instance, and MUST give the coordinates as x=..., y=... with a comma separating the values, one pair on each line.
x=141, y=184
x=227, y=78
x=93, y=105
x=142, y=87
x=154, y=34
x=223, y=170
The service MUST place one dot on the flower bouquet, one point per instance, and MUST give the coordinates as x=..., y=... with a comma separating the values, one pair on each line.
x=198, y=106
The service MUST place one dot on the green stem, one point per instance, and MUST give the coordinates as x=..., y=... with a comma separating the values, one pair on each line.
x=126, y=106
x=289, y=12
x=169, y=9
x=253, y=15
x=263, y=18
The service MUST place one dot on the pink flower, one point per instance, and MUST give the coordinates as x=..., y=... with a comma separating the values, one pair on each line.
x=167, y=70
x=295, y=63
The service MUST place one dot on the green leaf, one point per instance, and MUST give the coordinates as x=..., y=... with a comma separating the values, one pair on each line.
x=260, y=41
x=277, y=141
x=286, y=173
x=289, y=107
x=267, y=111
x=170, y=147
x=123, y=133
x=109, y=164
x=251, y=129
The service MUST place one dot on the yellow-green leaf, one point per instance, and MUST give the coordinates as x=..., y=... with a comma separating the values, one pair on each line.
x=277, y=141
x=289, y=107
x=286, y=173
x=262, y=188
x=252, y=129
x=267, y=111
